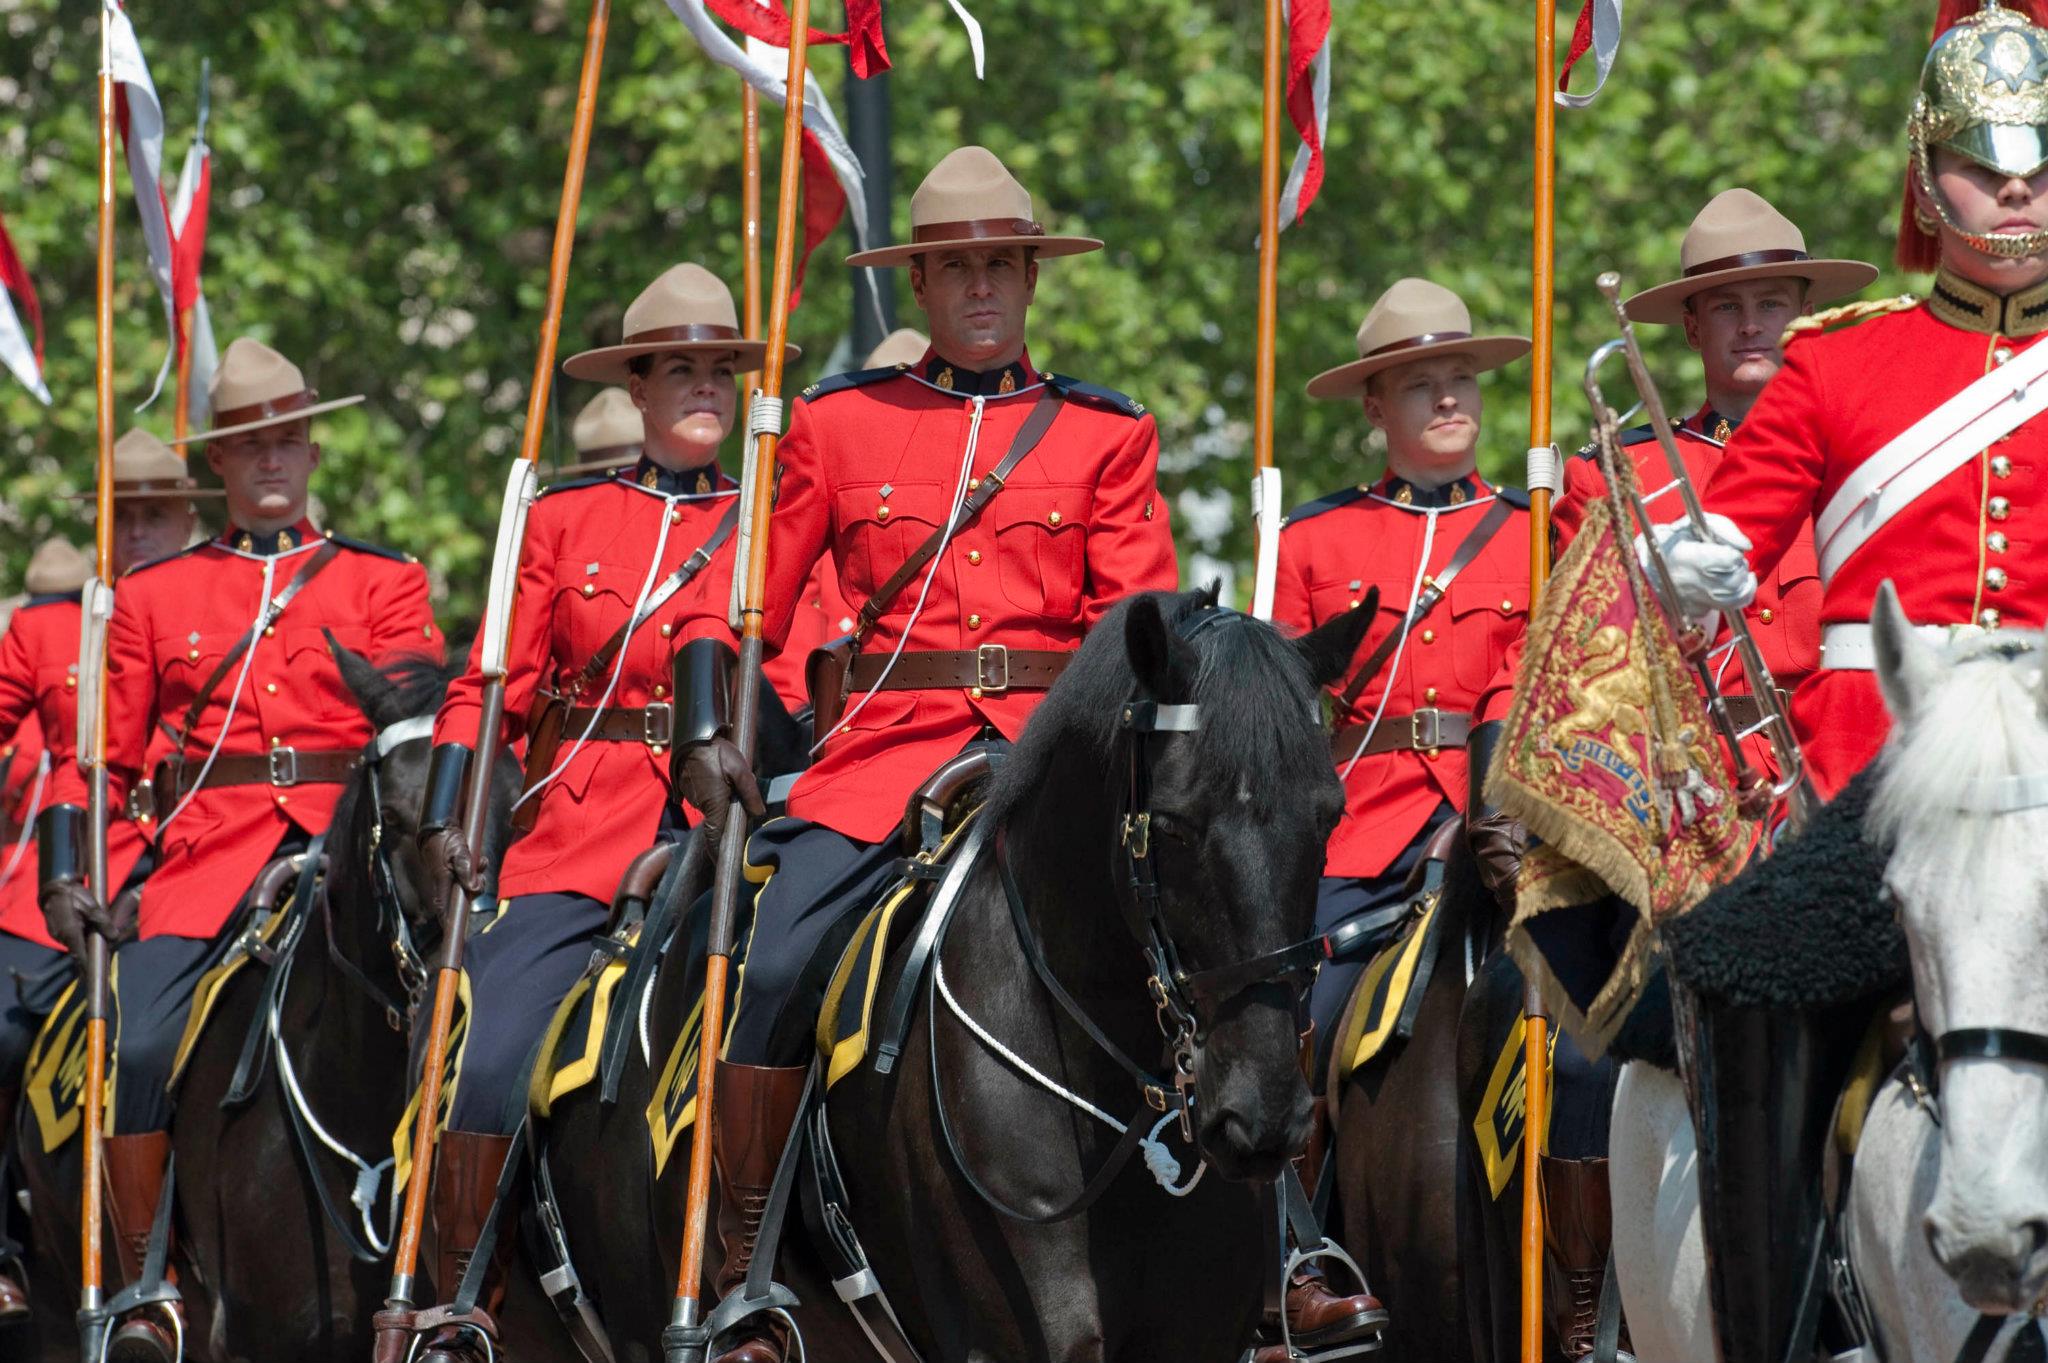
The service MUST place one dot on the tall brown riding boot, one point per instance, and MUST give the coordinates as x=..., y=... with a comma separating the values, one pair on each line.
x=1318, y=1318
x=13, y=1286
x=1578, y=1231
x=750, y=1126
x=467, y=1165
x=134, y=1167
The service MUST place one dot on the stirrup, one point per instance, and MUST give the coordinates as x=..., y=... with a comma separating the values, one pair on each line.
x=475, y=1321
x=694, y=1342
x=1351, y=1348
x=96, y=1327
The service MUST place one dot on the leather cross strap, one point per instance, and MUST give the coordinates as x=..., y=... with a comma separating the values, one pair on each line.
x=670, y=585
x=273, y=608
x=1422, y=731
x=1028, y=435
x=992, y=668
x=1433, y=589
x=279, y=767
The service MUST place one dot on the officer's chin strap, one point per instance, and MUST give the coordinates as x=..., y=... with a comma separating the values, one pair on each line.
x=2005, y=245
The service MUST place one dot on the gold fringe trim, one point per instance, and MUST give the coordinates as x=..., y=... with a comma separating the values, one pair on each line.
x=1821, y=321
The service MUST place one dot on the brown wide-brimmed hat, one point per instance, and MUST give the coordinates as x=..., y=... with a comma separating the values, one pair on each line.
x=145, y=467
x=1414, y=320
x=903, y=346
x=257, y=387
x=56, y=566
x=970, y=200
x=608, y=433
x=1739, y=236
x=688, y=308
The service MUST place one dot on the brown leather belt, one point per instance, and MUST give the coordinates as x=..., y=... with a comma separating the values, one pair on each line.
x=654, y=725
x=280, y=767
x=1423, y=731
x=1743, y=711
x=992, y=668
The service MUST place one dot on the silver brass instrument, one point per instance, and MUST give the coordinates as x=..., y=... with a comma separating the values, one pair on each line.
x=1773, y=721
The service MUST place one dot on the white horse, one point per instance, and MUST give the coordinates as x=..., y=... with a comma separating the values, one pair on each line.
x=1947, y=1223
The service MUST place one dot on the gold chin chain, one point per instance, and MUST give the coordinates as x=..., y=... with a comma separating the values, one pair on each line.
x=2007, y=245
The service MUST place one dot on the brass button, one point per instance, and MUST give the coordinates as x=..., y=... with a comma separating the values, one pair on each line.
x=881, y=513
x=270, y=688
x=193, y=655
x=1506, y=604
x=1053, y=518
x=2001, y=466
x=2002, y=355
x=590, y=589
x=1429, y=695
x=974, y=484
x=276, y=742
x=974, y=622
x=270, y=631
x=675, y=515
x=1988, y=619
x=1429, y=636
x=667, y=630
x=660, y=690
x=282, y=800
x=1354, y=603
x=1995, y=541
x=426, y=631
x=1766, y=615
x=974, y=556
x=974, y=693
x=1429, y=754
x=70, y=682
x=1994, y=578
x=1999, y=508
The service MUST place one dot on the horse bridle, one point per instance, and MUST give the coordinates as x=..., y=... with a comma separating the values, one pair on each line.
x=1186, y=1001
x=412, y=967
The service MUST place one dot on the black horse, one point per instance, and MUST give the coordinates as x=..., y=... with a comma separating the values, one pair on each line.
x=1241, y=800
x=274, y=1258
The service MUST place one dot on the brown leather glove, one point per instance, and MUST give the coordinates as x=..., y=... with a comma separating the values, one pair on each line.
x=713, y=776
x=70, y=911
x=1498, y=841
x=450, y=867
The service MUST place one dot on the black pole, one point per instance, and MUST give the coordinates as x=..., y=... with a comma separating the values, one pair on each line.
x=867, y=127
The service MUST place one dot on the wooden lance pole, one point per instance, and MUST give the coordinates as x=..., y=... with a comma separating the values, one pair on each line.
x=477, y=796
x=750, y=205
x=1536, y=1037
x=686, y=1339
x=92, y=738
x=1265, y=490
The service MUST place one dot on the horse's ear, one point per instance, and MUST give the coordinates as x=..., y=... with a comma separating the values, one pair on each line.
x=1907, y=665
x=1328, y=648
x=1164, y=664
x=364, y=682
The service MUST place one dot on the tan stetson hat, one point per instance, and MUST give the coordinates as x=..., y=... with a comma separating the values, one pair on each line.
x=1414, y=320
x=688, y=308
x=608, y=433
x=57, y=566
x=903, y=346
x=1739, y=236
x=969, y=199
x=257, y=387
x=145, y=467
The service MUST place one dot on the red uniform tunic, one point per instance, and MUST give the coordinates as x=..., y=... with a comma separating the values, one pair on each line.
x=174, y=620
x=590, y=553
x=1457, y=659
x=870, y=468
x=39, y=692
x=1963, y=552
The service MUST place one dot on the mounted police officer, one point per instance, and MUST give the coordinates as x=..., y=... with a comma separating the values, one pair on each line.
x=225, y=644
x=1447, y=553
x=959, y=634
x=1842, y=440
x=623, y=577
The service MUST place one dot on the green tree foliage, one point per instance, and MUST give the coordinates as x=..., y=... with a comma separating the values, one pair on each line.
x=386, y=174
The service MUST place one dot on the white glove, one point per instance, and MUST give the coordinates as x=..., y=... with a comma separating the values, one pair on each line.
x=1710, y=574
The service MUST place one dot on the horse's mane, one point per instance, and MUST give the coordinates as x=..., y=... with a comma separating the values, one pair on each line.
x=1259, y=724
x=1980, y=722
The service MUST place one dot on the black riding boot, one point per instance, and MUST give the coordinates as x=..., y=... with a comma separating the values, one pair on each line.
x=750, y=1125
x=134, y=1167
x=1762, y=1084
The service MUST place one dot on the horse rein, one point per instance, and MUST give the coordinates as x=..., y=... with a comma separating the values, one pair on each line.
x=412, y=967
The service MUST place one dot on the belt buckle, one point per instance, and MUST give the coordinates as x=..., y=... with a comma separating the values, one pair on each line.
x=1430, y=738
x=999, y=681
x=284, y=766
x=658, y=734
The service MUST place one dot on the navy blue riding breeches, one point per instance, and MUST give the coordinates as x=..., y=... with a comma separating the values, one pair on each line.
x=1340, y=898
x=31, y=977
x=819, y=883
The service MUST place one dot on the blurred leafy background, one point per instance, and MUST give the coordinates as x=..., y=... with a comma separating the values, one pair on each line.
x=386, y=172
